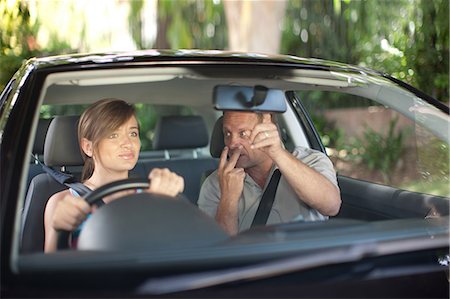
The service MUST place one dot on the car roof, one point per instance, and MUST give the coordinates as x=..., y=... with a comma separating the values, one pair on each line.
x=205, y=56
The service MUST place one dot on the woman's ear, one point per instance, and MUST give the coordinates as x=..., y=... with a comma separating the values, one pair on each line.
x=86, y=146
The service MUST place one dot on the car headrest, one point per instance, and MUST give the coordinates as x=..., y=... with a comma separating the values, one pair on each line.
x=180, y=132
x=216, y=146
x=42, y=128
x=61, y=146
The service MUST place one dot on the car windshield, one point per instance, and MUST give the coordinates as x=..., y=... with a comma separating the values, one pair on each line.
x=388, y=148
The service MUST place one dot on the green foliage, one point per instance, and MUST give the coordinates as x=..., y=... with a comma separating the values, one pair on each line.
x=147, y=116
x=48, y=111
x=196, y=24
x=380, y=151
x=316, y=100
x=183, y=24
x=17, y=41
x=135, y=23
x=331, y=136
x=430, y=55
x=407, y=39
x=435, y=156
x=438, y=187
x=433, y=166
x=433, y=163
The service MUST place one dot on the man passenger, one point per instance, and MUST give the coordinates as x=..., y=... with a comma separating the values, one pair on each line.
x=307, y=189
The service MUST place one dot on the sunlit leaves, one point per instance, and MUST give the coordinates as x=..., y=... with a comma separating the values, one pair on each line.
x=407, y=39
x=17, y=40
x=198, y=24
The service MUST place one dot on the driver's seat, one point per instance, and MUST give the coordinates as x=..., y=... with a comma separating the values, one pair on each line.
x=61, y=150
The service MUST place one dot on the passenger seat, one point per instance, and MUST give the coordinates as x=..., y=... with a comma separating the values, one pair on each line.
x=190, y=134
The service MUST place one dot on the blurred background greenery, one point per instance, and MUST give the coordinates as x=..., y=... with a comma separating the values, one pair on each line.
x=408, y=39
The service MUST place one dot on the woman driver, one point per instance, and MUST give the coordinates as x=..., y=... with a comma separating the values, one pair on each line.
x=108, y=134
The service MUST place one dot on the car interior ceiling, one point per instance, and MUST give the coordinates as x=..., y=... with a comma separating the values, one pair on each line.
x=169, y=85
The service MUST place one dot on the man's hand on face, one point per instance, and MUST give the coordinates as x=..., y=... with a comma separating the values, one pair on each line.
x=266, y=138
x=231, y=179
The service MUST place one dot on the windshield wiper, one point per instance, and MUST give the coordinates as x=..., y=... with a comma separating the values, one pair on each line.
x=178, y=283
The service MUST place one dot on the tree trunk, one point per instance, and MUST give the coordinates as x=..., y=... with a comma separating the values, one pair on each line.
x=255, y=26
x=161, y=41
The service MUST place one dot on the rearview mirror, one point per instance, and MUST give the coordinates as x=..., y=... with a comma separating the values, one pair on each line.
x=245, y=98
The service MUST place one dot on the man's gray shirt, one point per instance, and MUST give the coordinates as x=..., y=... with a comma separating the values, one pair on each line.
x=286, y=207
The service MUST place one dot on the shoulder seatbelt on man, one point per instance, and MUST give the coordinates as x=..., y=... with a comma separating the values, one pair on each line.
x=266, y=203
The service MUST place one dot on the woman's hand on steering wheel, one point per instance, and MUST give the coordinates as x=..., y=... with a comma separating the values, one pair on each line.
x=70, y=212
x=165, y=182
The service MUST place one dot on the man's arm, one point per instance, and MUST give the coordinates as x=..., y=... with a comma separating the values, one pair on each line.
x=311, y=187
x=231, y=180
x=231, y=184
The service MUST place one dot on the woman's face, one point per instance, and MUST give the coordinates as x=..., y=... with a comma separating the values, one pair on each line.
x=119, y=151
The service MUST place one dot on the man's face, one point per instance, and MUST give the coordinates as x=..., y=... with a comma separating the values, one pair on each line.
x=237, y=129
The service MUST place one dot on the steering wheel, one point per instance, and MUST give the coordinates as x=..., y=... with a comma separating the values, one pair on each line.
x=144, y=222
x=95, y=196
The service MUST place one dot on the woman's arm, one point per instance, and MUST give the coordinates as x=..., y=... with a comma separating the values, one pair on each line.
x=62, y=212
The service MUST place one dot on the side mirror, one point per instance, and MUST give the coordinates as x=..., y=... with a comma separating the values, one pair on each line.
x=245, y=98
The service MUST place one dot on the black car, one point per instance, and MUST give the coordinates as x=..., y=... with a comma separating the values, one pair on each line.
x=389, y=239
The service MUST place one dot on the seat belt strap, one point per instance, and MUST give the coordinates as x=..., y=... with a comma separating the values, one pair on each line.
x=266, y=203
x=67, y=180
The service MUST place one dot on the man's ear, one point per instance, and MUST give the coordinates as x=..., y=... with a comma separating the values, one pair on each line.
x=86, y=146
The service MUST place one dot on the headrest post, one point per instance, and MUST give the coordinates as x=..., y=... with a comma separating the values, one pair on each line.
x=166, y=155
x=194, y=153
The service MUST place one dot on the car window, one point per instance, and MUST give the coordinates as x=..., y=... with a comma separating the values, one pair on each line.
x=371, y=142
